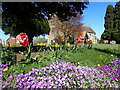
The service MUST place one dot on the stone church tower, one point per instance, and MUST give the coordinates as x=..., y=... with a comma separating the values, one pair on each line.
x=54, y=24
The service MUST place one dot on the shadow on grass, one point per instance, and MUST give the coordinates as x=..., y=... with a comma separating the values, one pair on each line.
x=109, y=51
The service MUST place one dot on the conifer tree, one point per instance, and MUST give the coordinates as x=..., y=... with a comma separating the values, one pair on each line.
x=109, y=23
x=117, y=22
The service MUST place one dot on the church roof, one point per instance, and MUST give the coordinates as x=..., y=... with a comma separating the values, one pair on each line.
x=87, y=29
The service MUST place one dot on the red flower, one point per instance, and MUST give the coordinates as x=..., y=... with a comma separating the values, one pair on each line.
x=62, y=39
x=79, y=40
x=82, y=40
x=90, y=42
x=23, y=39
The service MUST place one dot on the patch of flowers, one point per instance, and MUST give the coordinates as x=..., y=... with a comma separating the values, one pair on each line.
x=0, y=76
x=61, y=75
x=112, y=70
x=2, y=68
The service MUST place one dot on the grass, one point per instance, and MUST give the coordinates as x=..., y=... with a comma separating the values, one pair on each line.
x=86, y=57
x=107, y=46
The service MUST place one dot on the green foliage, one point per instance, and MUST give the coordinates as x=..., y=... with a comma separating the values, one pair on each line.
x=107, y=46
x=8, y=56
x=64, y=10
x=109, y=16
x=117, y=21
x=29, y=19
x=112, y=23
x=28, y=57
x=117, y=16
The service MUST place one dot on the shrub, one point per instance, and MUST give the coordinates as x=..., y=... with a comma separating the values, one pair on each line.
x=8, y=56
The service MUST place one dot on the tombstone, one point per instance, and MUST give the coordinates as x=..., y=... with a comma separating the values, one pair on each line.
x=106, y=41
x=112, y=42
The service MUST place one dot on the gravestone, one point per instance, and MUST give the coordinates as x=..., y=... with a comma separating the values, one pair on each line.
x=112, y=42
x=106, y=41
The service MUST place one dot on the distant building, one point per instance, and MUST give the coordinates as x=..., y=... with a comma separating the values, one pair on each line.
x=12, y=41
x=88, y=33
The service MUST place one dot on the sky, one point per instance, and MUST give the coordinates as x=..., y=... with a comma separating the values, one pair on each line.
x=93, y=17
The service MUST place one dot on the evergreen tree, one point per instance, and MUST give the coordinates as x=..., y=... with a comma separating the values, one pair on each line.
x=117, y=16
x=109, y=17
x=24, y=17
x=117, y=21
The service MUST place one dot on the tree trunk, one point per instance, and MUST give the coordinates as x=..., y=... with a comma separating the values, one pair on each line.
x=30, y=39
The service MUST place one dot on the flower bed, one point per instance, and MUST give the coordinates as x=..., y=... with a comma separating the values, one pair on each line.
x=67, y=75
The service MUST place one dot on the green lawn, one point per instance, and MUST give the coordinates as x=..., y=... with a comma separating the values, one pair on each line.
x=86, y=57
x=107, y=46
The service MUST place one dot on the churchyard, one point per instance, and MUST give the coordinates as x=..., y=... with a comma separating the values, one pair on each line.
x=71, y=57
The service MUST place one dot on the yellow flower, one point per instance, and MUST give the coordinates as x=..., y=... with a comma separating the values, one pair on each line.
x=78, y=65
x=56, y=45
x=53, y=41
x=54, y=57
x=47, y=45
x=98, y=65
x=112, y=55
x=38, y=44
x=100, y=55
x=41, y=44
x=5, y=69
x=68, y=44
